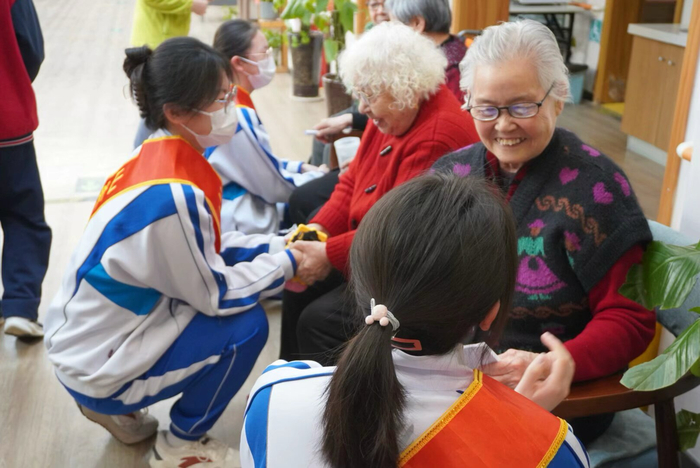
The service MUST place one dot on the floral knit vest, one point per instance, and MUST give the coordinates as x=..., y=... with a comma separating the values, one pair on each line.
x=576, y=215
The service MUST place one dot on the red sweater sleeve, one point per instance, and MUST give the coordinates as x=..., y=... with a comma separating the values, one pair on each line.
x=620, y=329
x=335, y=213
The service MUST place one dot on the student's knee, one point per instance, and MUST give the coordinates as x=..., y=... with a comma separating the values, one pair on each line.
x=255, y=321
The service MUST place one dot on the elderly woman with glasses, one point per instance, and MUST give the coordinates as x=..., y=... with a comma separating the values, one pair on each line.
x=398, y=76
x=580, y=227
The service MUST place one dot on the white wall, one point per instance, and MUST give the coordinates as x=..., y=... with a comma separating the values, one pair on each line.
x=686, y=211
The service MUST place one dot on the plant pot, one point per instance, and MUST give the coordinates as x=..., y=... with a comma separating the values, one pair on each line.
x=337, y=97
x=267, y=11
x=306, y=59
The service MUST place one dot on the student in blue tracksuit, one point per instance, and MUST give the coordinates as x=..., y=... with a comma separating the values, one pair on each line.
x=156, y=301
x=257, y=184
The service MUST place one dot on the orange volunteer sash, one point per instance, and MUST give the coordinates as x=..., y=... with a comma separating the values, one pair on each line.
x=243, y=99
x=488, y=426
x=167, y=160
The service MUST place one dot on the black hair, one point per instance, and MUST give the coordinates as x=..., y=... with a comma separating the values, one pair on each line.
x=234, y=37
x=182, y=71
x=439, y=251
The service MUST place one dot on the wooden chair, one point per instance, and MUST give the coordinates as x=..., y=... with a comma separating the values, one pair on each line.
x=333, y=161
x=608, y=395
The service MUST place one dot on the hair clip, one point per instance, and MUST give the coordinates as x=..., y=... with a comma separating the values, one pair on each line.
x=379, y=313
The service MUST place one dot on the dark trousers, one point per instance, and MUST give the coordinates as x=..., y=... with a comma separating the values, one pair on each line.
x=307, y=199
x=27, y=237
x=317, y=322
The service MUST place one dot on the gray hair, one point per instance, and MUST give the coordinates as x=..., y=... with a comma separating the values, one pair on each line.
x=526, y=39
x=393, y=58
x=436, y=13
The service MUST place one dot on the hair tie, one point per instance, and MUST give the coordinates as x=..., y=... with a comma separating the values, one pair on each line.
x=379, y=313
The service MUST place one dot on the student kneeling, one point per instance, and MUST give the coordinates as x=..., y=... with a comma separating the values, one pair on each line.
x=156, y=302
x=438, y=254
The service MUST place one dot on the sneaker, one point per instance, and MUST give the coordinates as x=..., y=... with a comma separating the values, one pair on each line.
x=129, y=428
x=23, y=328
x=203, y=453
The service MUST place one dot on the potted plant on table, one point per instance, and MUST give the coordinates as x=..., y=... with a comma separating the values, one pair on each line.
x=665, y=279
x=340, y=22
x=305, y=44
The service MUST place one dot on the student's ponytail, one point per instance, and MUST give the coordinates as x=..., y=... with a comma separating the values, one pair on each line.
x=363, y=415
x=134, y=67
x=439, y=252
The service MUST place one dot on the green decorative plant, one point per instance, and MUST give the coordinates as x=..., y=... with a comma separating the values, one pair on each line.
x=333, y=24
x=664, y=279
x=275, y=39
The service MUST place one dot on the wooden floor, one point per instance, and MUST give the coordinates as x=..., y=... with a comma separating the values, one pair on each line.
x=87, y=126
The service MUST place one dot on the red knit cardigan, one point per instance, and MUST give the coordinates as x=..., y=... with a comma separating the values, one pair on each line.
x=385, y=161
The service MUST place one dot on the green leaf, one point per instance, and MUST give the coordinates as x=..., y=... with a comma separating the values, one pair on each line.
x=331, y=48
x=665, y=277
x=695, y=309
x=667, y=368
x=321, y=6
x=347, y=16
x=688, y=424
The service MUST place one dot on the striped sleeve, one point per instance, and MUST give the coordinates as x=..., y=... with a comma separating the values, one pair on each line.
x=173, y=252
x=571, y=454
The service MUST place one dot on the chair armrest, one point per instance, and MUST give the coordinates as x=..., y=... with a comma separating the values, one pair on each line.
x=608, y=395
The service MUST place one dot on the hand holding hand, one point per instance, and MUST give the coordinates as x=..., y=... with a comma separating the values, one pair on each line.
x=199, y=7
x=315, y=265
x=510, y=367
x=547, y=381
x=332, y=126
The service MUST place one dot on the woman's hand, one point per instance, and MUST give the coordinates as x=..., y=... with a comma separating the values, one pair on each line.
x=510, y=367
x=315, y=265
x=547, y=380
x=332, y=126
x=298, y=256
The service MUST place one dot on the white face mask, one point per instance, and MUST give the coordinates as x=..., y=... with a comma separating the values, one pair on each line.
x=267, y=69
x=224, y=123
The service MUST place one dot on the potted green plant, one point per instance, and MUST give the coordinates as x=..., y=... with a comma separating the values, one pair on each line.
x=340, y=22
x=305, y=44
x=665, y=279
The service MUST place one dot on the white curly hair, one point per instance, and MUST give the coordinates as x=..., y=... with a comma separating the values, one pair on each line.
x=393, y=58
x=524, y=39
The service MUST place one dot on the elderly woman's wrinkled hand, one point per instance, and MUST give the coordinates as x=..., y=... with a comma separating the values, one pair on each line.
x=510, y=367
x=315, y=266
x=332, y=126
x=547, y=380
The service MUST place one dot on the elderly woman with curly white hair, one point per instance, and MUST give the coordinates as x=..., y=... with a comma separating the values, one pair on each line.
x=398, y=76
x=580, y=227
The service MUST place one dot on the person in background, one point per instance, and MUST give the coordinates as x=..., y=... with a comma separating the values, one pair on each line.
x=438, y=254
x=26, y=236
x=257, y=184
x=156, y=302
x=399, y=77
x=580, y=227
x=158, y=20
x=434, y=19
x=154, y=22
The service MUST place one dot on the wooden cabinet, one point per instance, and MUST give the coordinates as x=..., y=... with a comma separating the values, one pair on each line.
x=652, y=86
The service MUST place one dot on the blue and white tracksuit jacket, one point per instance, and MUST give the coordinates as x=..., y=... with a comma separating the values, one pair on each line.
x=257, y=184
x=145, y=266
x=283, y=421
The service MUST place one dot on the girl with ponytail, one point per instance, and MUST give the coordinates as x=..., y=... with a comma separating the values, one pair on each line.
x=156, y=302
x=432, y=274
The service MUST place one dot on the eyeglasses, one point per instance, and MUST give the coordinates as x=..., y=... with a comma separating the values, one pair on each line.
x=522, y=110
x=267, y=53
x=375, y=5
x=228, y=97
x=366, y=100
